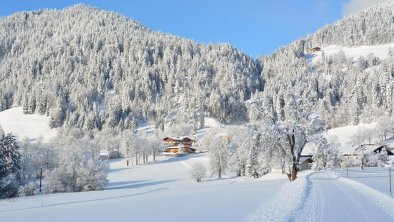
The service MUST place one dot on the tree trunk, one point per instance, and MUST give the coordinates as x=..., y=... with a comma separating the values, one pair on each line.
x=294, y=172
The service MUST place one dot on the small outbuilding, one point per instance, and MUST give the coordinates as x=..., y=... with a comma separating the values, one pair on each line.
x=306, y=162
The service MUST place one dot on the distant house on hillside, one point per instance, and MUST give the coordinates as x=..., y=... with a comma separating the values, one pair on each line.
x=314, y=49
x=178, y=147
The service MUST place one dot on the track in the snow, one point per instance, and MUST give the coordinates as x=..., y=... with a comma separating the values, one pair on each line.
x=331, y=200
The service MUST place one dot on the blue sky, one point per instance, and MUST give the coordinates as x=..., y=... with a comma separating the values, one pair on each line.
x=257, y=27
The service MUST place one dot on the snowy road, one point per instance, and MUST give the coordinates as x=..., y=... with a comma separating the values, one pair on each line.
x=329, y=199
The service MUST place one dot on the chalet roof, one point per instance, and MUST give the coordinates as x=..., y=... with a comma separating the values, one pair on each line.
x=182, y=139
x=186, y=139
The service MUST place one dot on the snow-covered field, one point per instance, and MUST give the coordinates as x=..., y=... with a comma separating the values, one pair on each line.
x=160, y=191
x=344, y=135
x=31, y=126
x=381, y=51
x=163, y=191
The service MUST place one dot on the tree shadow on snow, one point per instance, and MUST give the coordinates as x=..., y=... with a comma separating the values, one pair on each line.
x=118, y=169
x=178, y=159
x=123, y=183
x=136, y=184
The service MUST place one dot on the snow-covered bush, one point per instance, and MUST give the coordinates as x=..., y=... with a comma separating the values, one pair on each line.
x=60, y=180
x=28, y=189
x=377, y=159
x=92, y=176
x=198, y=171
x=79, y=169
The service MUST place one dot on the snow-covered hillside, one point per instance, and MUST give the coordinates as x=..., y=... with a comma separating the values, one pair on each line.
x=32, y=126
x=344, y=135
x=380, y=51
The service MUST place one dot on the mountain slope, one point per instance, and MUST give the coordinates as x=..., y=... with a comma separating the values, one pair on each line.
x=93, y=69
x=344, y=90
x=90, y=68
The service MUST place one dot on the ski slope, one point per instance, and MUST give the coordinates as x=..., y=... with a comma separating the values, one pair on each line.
x=31, y=126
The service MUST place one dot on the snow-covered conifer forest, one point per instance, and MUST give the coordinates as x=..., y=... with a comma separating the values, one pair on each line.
x=309, y=128
x=92, y=69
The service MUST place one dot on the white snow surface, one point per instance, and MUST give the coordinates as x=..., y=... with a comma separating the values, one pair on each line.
x=333, y=198
x=161, y=191
x=344, y=135
x=22, y=125
x=381, y=51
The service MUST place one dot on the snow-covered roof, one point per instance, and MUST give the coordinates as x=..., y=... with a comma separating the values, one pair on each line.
x=304, y=158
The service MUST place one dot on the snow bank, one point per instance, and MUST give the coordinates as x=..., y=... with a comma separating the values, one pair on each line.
x=31, y=126
x=287, y=203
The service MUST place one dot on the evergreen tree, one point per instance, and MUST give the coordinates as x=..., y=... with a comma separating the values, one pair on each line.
x=9, y=165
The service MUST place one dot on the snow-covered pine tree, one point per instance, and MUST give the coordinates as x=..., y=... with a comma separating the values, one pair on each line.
x=252, y=164
x=9, y=165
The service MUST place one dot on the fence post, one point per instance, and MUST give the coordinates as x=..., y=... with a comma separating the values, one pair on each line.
x=40, y=178
x=391, y=193
x=347, y=170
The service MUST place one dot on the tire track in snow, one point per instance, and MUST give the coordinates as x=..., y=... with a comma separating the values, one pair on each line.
x=379, y=199
x=331, y=199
